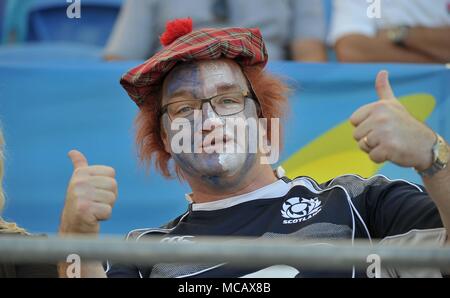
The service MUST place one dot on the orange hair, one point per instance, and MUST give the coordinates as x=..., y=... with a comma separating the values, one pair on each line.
x=270, y=91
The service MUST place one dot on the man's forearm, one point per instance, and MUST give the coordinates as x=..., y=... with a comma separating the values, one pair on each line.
x=361, y=48
x=434, y=42
x=310, y=50
x=438, y=187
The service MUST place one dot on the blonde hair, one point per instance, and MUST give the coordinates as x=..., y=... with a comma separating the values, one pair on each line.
x=5, y=227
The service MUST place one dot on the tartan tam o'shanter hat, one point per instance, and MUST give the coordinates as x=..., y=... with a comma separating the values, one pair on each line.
x=181, y=44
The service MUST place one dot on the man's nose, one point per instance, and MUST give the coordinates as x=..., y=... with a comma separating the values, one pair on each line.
x=210, y=118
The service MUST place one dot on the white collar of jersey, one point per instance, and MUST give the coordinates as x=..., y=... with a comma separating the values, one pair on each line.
x=273, y=190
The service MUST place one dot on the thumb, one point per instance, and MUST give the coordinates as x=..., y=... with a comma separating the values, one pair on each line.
x=78, y=159
x=383, y=86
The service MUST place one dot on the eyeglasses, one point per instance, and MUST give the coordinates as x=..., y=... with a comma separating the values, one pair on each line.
x=227, y=104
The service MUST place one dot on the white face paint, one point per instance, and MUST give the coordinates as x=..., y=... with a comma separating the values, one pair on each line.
x=231, y=161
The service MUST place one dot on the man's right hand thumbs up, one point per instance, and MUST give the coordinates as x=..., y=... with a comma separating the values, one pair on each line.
x=90, y=196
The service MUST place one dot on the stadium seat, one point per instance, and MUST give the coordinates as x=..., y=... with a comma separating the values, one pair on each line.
x=48, y=21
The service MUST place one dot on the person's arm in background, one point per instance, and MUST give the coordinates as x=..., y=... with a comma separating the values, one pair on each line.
x=308, y=31
x=355, y=39
x=363, y=48
x=308, y=50
x=133, y=32
x=433, y=42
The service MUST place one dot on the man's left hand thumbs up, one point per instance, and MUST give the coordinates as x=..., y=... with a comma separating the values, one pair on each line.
x=388, y=132
x=383, y=86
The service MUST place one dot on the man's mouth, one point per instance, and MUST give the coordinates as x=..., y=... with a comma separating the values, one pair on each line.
x=217, y=143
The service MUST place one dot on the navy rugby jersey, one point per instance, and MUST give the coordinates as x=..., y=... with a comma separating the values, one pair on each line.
x=347, y=207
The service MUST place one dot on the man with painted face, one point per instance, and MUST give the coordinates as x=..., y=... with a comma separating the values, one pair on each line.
x=213, y=169
x=203, y=79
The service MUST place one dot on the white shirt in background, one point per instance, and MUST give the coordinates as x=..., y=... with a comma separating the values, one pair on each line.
x=351, y=16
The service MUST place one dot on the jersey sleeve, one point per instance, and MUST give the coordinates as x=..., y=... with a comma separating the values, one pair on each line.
x=396, y=208
x=389, y=208
x=402, y=213
x=395, y=212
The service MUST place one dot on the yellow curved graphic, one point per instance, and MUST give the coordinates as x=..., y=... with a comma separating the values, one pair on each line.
x=336, y=152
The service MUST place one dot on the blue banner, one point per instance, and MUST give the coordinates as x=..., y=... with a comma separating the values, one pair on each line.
x=48, y=108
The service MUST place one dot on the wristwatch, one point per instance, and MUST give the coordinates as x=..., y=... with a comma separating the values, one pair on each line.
x=398, y=35
x=441, y=156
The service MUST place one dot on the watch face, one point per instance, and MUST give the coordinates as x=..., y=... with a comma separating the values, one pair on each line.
x=443, y=155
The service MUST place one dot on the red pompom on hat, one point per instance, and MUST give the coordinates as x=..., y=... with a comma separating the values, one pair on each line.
x=175, y=29
x=181, y=44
